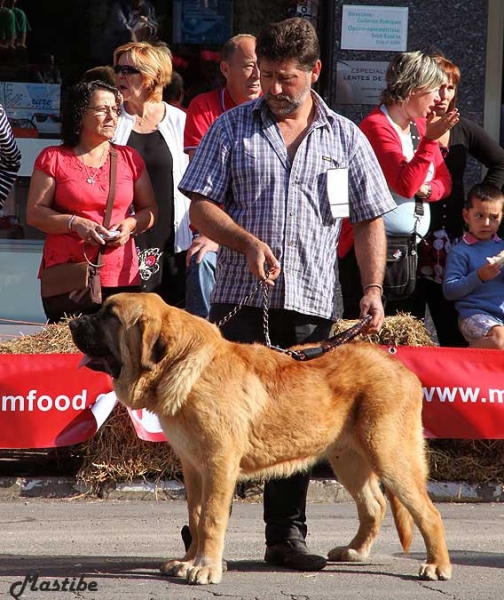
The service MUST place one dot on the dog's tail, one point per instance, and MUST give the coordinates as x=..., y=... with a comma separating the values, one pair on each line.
x=402, y=519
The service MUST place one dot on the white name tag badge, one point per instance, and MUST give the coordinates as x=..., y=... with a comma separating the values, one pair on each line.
x=337, y=192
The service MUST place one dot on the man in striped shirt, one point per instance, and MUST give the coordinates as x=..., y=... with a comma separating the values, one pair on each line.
x=269, y=163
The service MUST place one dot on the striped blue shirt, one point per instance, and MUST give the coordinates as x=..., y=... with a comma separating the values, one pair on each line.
x=242, y=163
x=10, y=157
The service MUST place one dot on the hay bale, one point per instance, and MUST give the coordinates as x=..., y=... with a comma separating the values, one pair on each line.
x=400, y=330
x=116, y=454
x=51, y=339
x=473, y=461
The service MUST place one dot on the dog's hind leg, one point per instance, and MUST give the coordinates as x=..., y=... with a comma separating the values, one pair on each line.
x=193, y=486
x=355, y=473
x=405, y=477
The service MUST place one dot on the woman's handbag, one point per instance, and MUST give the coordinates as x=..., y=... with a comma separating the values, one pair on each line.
x=70, y=288
x=401, y=267
x=74, y=288
x=402, y=252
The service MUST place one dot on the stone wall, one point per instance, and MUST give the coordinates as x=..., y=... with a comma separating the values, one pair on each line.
x=458, y=29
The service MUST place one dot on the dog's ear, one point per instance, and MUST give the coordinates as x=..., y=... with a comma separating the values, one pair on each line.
x=153, y=344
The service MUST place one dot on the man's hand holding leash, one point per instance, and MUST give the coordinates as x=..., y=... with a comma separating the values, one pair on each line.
x=371, y=249
x=259, y=256
x=371, y=304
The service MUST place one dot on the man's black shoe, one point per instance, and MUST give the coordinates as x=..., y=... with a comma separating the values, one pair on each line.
x=185, y=532
x=293, y=554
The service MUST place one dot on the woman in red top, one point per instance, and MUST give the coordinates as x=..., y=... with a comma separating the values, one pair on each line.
x=413, y=168
x=69, y=190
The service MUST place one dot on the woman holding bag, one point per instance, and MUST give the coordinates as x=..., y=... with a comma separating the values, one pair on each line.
x=69, y=190
x=404, y=138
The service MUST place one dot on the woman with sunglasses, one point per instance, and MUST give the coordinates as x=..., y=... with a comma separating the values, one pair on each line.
x=69, y=190
x=156, y=130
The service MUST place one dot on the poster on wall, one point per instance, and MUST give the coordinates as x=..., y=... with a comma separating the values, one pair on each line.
x=374, y=28
x=202, y=21
x=359, y=81
x=33, y=109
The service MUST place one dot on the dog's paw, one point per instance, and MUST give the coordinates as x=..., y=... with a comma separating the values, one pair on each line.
x=176, y=568
x=434, y=572
x=345, y=554
x=201, y=575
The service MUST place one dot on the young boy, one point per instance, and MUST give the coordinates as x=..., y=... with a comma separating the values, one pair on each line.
x=473, y=275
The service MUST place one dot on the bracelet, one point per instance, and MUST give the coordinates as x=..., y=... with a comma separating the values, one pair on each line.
x=373, y=285
x=70, y=221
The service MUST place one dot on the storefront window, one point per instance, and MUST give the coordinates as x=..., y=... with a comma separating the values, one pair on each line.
x=60, y=41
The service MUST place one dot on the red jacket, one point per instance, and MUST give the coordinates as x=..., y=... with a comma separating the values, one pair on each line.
x=403, y=177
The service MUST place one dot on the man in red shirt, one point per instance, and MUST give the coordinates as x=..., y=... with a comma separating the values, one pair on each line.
x=239, y=67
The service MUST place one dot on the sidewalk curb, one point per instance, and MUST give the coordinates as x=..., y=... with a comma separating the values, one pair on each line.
x=320, y=491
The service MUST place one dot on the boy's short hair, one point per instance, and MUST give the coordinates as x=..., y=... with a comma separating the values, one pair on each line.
x=485, y=192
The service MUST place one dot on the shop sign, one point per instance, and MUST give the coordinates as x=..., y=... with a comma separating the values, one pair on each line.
x=196, y=22
x=359, y=81
x=374, y=28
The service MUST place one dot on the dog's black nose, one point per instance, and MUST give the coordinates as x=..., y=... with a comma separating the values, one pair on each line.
x=73, y=324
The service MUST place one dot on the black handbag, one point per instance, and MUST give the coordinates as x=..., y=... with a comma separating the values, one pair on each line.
x=402, y=251
x=74, y=288
x=401, y=267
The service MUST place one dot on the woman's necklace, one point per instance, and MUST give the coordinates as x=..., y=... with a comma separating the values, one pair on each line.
x=149, y=120
x=90, y=175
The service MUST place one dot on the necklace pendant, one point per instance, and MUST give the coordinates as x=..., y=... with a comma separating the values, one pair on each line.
x=90, y=180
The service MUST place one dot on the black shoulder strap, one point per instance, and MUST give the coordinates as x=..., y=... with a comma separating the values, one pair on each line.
x=415, y=138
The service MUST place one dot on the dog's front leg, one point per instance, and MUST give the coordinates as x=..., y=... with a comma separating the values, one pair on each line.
x=218, y=487
x=194, y=487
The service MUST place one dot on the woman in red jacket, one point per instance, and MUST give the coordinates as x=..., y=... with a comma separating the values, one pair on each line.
x=405, y=141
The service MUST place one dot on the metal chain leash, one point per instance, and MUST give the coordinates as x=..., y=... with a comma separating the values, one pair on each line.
x=232, y=313
x=301, y=355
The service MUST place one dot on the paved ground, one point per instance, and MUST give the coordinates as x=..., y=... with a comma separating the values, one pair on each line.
x=118, y=545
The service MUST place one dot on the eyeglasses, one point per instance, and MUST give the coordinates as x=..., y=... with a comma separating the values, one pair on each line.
x=105, y=111
x=126, y=70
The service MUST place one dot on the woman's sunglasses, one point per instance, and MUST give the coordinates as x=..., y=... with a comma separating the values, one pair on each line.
x=126, y=70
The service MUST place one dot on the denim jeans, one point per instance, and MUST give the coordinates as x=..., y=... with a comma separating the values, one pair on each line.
x=200, y=279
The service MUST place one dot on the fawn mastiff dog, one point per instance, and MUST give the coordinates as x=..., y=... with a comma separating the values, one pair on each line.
x=240, y=411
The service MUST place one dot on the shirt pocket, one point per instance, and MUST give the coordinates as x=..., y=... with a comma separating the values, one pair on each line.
x=254, y=176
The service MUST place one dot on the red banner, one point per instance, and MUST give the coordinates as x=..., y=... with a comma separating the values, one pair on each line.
x=46, y=401
x=463, y=390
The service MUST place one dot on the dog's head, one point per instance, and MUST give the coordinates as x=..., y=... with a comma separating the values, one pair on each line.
x=127, y=330
x=142, y=342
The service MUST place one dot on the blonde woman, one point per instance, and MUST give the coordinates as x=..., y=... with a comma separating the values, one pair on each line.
x=405, y=137
x=156, y=130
